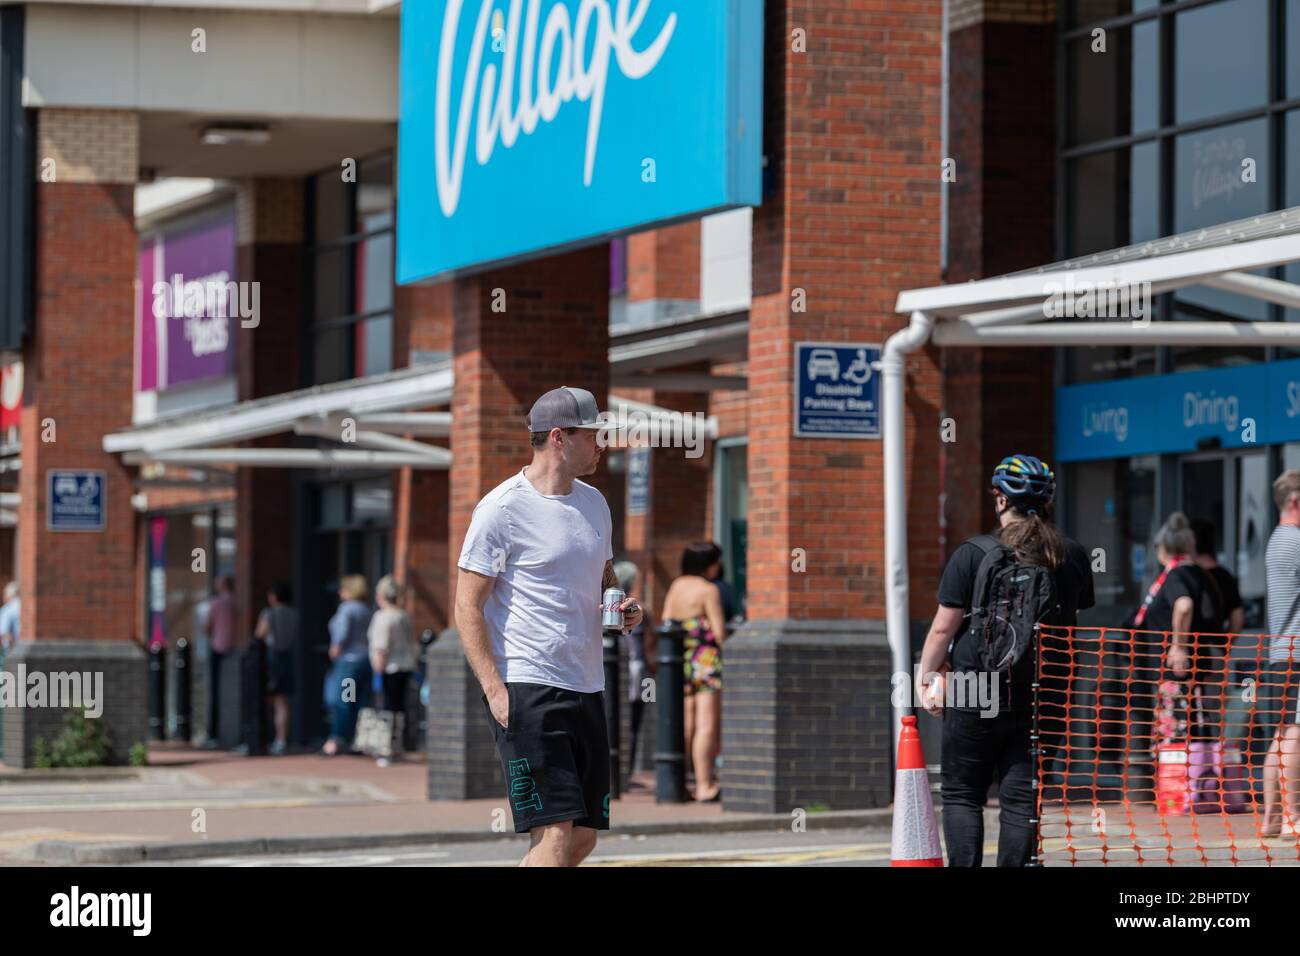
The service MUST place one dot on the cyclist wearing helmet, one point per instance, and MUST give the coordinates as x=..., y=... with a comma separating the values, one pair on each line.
x=981, y=743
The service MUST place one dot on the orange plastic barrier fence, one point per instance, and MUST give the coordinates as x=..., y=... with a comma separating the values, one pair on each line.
x=1166, y=749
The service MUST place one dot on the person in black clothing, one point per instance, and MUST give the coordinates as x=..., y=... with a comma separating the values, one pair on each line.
x=1184, y=612
x=981, y=744
x=1224, y=584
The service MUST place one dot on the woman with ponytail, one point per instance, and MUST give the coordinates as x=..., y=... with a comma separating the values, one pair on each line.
x=988, y=739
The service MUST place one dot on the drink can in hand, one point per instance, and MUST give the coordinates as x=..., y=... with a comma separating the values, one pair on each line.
x=611, y=616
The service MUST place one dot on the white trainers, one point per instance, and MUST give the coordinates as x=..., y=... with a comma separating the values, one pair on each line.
x=383, y=761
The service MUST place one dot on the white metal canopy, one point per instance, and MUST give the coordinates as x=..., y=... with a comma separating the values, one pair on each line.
x=1016, y=310
x=379, y=410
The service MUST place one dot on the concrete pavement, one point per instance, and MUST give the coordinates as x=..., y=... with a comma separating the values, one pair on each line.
x=190, y=804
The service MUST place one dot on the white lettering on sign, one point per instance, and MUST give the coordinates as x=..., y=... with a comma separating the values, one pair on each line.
x=1105, y=421
x=1212, y=410
x=534, y=65
x=1292, y=399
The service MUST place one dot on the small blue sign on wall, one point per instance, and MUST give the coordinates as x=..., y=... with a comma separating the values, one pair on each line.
x=638, y=481
x=530, y=126
x=75, y=501
x=836, y=390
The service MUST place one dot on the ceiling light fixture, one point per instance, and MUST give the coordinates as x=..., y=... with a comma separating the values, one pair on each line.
x=241, y=135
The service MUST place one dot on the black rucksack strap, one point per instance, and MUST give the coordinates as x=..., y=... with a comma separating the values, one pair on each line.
x=985, y=542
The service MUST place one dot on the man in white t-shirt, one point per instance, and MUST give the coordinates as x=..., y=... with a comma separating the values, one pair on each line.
x=536, y=560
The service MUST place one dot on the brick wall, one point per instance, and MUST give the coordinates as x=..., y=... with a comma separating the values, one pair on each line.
x=111, y=673
x=422, y=323
x=88, y=146
x=852, y=139
x=78, y=375
x=554, y=332
x=268, y=361
x=828, y=696
x=1001, y=216
x=664, y=263
x=965, y=13
x=420, y=548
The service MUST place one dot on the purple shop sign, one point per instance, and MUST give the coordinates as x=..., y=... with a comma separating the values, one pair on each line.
x=186, y=329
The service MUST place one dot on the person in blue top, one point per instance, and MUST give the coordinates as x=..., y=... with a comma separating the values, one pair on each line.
x=9, y=615
x=348, y=684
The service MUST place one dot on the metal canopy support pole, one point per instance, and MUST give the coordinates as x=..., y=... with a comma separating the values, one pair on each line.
x=897, y=617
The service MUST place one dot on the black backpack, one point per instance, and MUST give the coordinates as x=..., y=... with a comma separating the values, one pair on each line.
x=1008, y=600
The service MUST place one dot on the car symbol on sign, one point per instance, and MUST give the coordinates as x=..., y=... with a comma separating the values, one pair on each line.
x=823, y=362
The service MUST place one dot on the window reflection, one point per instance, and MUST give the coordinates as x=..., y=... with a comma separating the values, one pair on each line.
x=1113, y=503
x=1293, y=48
x=1090, y=11
x=1114, y=199
x=1116, y=92
x=1220, y=59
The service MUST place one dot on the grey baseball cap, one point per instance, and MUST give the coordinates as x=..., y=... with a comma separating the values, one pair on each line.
x=564, y=408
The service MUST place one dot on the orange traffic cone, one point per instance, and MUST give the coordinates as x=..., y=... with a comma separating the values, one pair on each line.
x=916, y=835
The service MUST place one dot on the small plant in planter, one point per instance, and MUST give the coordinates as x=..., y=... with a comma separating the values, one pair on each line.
x=81, y=743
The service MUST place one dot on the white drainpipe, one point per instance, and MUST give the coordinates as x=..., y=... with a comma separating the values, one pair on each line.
x=897, y=617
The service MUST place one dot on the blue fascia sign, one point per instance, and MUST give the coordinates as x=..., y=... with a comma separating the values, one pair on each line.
x=531, y=126
x=836, y=390
x=1241, y=406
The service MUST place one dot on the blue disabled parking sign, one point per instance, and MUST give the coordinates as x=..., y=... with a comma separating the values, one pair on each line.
x=76, y=501
x=836, y=390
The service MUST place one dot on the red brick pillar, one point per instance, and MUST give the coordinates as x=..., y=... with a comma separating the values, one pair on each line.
x=852, y=138
x=1002, y=116
x=678, y=512
x=519, y=332
x=422, y=334
x=268, y=359
x=79, y=611
x=663, y=280
x=269, y=252
x=663, y=272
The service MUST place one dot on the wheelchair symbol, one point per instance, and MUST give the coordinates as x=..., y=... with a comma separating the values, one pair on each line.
x=859, y=373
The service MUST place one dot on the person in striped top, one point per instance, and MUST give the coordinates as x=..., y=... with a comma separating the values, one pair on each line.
x=1282, y=564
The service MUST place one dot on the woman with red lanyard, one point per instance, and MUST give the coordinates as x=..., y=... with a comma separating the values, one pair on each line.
x=1181, y=601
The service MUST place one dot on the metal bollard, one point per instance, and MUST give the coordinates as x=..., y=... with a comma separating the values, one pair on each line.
x=612, y=686
x=157, y=692
x=670, y=725
x=255, y=707
x=181, y=664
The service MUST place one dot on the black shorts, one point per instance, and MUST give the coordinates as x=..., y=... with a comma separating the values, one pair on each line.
x=554, y=755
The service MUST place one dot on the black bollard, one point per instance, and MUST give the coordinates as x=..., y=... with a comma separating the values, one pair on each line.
x=157, y=692
x=181, y=664
x=612, y=684
x=670, y=726
x=254, y=700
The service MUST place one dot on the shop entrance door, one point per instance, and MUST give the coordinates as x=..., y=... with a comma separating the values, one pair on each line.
x=1231, y=489
x=352, y=534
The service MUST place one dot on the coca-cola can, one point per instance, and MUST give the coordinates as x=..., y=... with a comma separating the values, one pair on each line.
x=610, y=615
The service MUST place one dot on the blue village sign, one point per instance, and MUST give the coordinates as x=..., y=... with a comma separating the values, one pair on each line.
x=1257, y=404
x=529, y=126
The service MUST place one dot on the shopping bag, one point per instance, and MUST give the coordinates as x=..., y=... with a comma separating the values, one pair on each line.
x=379, y=733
